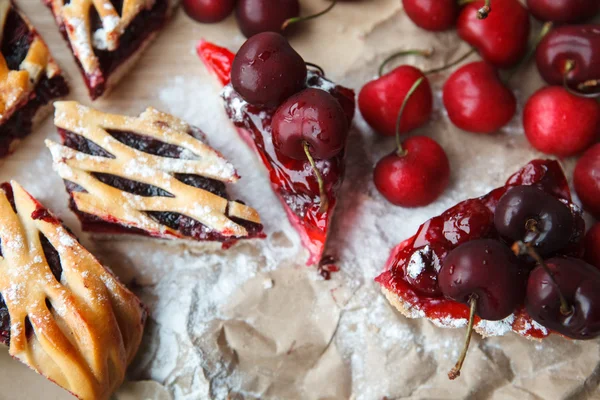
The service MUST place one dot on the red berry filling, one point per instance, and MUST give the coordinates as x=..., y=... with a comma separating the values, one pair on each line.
x=413, y=267
x=185, y=225
x=15, y=46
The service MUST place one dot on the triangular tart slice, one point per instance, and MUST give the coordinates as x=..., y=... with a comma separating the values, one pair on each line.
x=410, y=278
x=293, y=181
x=61, y=312
x=152, y=175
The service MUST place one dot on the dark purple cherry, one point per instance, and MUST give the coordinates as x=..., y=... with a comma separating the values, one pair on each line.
x=579, y=283
x=528, y=214
x=312, y=117
x=486, y=275
x=256, y=16
x=484, y=269
x=572, y=52
x=208, y=11
x=563, y=11
x=267, y=70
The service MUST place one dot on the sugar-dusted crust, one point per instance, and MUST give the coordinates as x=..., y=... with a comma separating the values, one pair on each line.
x=486, y=329
x=81, y=328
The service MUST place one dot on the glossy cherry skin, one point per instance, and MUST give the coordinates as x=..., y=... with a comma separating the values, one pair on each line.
x=563, y=11
x=256, y=16
x=578, y=43
x=208, y=11
x=313, y=116
x=560, y=123
x=579, y=283
x=531, y=215
x=476, y=100
x=416, y=178
x=487, y=269
x=592, y=245
x=267, y=70
x=432, y=15
x=380, y=100
x=586, y=180
x=501, y=38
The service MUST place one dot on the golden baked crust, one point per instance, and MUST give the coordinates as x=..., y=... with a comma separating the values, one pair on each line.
x=111, y=204
x=16, y=86
x=87, y=327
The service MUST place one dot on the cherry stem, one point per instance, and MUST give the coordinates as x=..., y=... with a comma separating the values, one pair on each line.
x=415, y=52
x=546, y=28
x=484, y=11
x=295, y=20
x=450, y=65
x=521, y=248
x=568, y=67
x=317, y=67
x=590, y=84
x=402, y=151
x=322, y=192
x=455, y=372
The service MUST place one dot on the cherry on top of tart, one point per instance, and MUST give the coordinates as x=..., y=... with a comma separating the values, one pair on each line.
x=412, y=271
x=255, y=114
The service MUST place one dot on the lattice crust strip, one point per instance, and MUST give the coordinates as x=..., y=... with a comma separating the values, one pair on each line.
x=75, y=17
x=92, y=330
x=16, y=86
x=110, y=203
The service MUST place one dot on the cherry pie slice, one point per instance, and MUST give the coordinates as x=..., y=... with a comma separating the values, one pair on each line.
x=61, y=312
x=292, y=180
x=151, y=175
x=107, y=36
x=410, y=278
x=29, y=78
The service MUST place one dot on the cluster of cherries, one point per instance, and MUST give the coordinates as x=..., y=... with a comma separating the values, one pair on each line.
x=560, y=119
x=253, y=16
x=308, y=124
x=526, y=265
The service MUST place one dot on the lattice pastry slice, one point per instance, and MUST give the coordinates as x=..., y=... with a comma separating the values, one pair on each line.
x=61, y=312
x=29, y=78
x=107, y=36
x=151, y=175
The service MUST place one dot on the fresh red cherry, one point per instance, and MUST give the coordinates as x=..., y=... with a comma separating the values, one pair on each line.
x=267, y=70
x=529, y=214
x=560, y=123
x=485, y=274
x=563, y=11
x=501, y=38
x=476, y=99
x=592, y=245
x=573, y=51
x=208, y=11
x=579, y=284
x=432, y=15
x=256, y=16
x=312, y=117
x=380, y=100
x=416, y=176
x=586, y=179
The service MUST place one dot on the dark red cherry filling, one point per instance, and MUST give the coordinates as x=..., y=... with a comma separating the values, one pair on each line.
x=52, y=258
x=182, y=223
x=15, y=44
x=413, y=267
x=146, y=23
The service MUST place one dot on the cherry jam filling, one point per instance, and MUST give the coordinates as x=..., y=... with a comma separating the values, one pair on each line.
x=15, y=46
x=182, y=223
x=52, y=258
x=413, y=266
x=146, y=23
x=294, y=180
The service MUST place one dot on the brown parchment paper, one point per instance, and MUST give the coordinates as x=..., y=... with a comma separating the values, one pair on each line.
x=254, y=322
